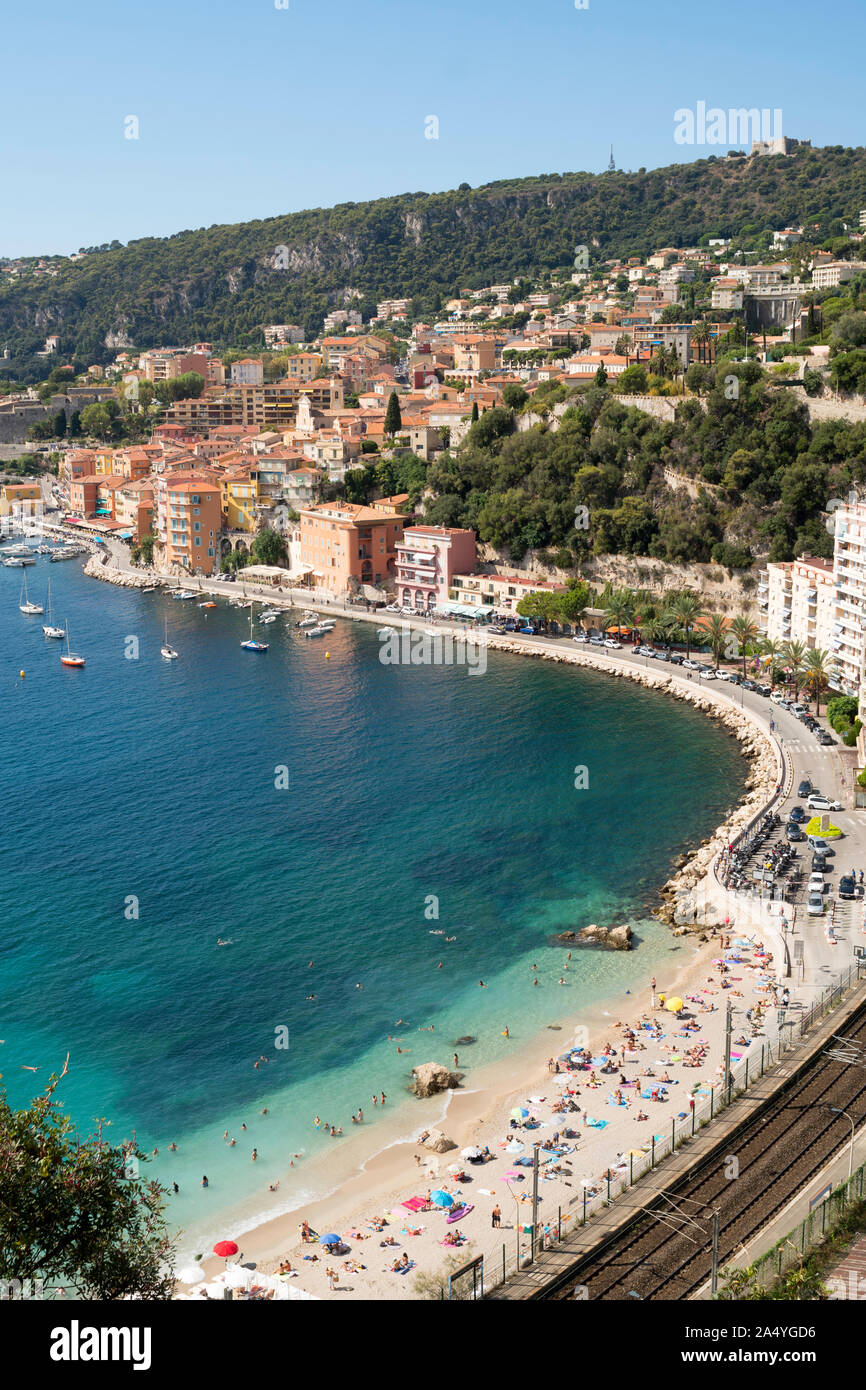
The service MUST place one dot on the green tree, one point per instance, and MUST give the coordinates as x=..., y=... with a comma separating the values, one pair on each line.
x=514, y=396
x=69, y=1212
x=819, y=671
x=746, y=633
x=619, y=607
x=474, y=411
x=148, y=541
x=687, y=610
x=795, y=659
x=574, y=602
x=269, y=548
x=393, y=417
x=717, y=630
x=633, y=381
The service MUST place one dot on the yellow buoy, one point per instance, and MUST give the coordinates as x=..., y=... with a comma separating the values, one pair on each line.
x=327, y=658
x=21, y=674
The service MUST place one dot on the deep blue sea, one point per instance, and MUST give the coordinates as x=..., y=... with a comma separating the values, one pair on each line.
x=143, y=787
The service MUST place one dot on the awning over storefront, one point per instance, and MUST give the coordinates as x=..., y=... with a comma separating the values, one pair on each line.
x=466, y=610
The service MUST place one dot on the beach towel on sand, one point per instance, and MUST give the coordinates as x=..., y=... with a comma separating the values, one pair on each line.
x=415, y=1203
x=597, y=1124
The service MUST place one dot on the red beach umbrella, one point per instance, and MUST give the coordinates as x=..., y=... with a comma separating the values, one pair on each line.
x=224, y=1248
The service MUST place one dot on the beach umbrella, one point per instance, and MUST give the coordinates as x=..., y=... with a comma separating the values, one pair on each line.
x=520, y=1113
x=514, y=1147
x=331, y=1239
x=441, y=1199
x=225, y=1248
x=472, y=1152
x=674, y=1005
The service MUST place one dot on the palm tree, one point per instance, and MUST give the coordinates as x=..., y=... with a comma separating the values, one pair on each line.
x=717, y=630
x=774, y=650
x=745, y=632
x=820, y=669
x=686, y=610
x=656, y=629
x=619, y=607
x=794, y=656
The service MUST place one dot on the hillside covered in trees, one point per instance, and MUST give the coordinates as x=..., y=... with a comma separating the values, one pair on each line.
x=745, y=478
x=223, y=282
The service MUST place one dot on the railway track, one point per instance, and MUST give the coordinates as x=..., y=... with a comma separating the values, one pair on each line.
x=668, y=1253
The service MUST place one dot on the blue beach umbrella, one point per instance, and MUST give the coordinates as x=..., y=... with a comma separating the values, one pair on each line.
x=441, y=1199
x=329, y=1240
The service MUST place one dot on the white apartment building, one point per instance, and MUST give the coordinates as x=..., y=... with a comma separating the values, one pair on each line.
x=727, y=293
x=827, y=277
x=797, y=602
x=850, y=575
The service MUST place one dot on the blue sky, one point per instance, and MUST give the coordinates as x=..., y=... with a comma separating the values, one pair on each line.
x=246, y=110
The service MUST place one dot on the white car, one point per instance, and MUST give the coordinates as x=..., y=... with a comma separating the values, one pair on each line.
x=816, y=882
x=609, y=642
x=823, y=803
x=815, y=906
x=580, y=637
x=778, y=698
x=691, y=665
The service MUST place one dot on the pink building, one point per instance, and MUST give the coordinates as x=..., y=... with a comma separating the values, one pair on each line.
x=428, y=557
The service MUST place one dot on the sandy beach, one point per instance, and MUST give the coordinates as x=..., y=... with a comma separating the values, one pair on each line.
x=598, y=1137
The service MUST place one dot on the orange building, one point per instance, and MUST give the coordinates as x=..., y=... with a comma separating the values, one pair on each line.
x=189, y=521
x=342, y=542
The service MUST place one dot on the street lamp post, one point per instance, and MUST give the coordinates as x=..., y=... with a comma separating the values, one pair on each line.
x=834, y=1110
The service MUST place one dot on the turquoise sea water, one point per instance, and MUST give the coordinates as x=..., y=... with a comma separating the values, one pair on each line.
x=140, y=779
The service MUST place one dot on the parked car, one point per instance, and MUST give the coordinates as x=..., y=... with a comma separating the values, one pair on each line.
x=580, y=637
x=778, y=698
x=824, y=738
x=793, y=832
x=527, y=631
x=663, y=656
x=805, y=788
x=749, y=685
x=609, y=642
x=765, y=690
x=500, y=631
x=800, y=709
x=819, y=863
x=815, y=905
x=596, y=641
x=816, y=802
x=676, y=660
x=817, y=843
x=797, y=813
x=847, y=887
x=816, y=882
x=690, y=665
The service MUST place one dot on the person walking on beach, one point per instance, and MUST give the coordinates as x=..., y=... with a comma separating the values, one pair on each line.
x=456, y=1060
x=653, y=992
x=495, y=1218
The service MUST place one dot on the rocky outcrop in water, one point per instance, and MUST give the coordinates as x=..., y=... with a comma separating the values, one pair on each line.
x=431, y=1077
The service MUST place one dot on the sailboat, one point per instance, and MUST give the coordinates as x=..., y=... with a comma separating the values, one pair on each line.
x=48, y=628
x=251, y=645
x=24, y=602
x=70, y=659
x=166, y=651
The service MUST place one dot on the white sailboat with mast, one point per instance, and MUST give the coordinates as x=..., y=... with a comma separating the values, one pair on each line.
x=167, y=651
x=24, y=601
x=48, y=628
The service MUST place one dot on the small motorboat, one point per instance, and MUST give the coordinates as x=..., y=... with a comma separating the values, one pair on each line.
x=186, y=593
x=19, y=562
x=267, y=618
x=312, y=620
x=386, y=632
x=210, y=604
x=320, y=630
x=149, y=589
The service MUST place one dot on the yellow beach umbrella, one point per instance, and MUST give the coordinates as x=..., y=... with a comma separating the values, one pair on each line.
x=674, y=1005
